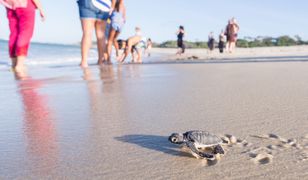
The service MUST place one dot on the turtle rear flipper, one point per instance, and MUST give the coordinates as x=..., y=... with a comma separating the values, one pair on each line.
x=200, y=155
x=218, y=150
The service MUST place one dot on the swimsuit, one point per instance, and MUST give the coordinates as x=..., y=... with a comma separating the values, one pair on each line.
x=142, y=44
x=180, y=40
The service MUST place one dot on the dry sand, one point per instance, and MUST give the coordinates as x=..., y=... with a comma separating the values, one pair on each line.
x=113, y=122
x=262, y=54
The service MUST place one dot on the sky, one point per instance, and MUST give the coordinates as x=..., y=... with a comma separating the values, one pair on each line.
x=159, y=19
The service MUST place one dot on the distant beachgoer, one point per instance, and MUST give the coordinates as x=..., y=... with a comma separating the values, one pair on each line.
x=221, y=43
x=211, y=42
x=93, y=15
x=149, y=47
x=21, y=17
x=180, y=42
x=232, y=30
x=118, y=19
x=134, y=44
x=227, y=31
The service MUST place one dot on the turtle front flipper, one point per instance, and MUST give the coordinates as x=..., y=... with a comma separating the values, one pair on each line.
x=199, y=155
x=218, y=150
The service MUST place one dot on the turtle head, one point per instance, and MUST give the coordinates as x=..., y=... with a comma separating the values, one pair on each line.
x=176, y=138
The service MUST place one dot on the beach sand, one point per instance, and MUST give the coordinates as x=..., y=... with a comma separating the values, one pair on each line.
x=259, y=54
x=113, y=122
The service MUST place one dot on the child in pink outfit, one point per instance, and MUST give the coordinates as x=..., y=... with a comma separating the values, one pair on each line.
x=21, y=17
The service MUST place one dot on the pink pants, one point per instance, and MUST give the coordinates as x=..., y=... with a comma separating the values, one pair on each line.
x=21, y=22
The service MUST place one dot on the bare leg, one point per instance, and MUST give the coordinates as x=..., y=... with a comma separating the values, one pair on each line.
x=100, y=27
x=14, y=62
x=115, y=43
x=232, y=46
x=20, y=63
x=112, y=40
x=139, y=56
x=87, y=28
x=133, y=57
x=228, y=46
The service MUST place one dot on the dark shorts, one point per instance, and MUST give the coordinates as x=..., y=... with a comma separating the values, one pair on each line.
x=180, y=44
x=88, y=11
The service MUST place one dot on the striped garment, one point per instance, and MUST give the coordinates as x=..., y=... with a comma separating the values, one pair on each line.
x=103, y=5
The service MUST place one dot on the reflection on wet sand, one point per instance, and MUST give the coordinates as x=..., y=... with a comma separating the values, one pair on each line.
x=39, y=129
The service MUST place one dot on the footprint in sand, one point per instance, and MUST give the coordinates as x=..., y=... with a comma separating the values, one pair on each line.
x=231, y=140
x=274, y=145
x=304, y=156
x=262, y=158
x=260, y=155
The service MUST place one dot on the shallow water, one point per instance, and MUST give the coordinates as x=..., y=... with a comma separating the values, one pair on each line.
x=113, y=122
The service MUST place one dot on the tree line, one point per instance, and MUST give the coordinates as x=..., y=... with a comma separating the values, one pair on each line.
x=246, y=42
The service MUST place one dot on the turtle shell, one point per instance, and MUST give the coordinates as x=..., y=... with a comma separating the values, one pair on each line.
x=203, y=138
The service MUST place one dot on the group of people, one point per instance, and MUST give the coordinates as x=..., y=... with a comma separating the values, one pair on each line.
x=228, y=35
x=227, y=38
x=107, y=18
x=95, y=15
x=98, y=15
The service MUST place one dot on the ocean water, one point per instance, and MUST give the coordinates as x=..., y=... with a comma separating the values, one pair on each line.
x=42, y=54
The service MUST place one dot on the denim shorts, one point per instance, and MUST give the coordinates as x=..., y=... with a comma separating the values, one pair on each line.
x=88, y=11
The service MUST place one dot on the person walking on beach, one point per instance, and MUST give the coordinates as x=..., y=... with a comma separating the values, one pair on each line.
x=232, y=30
x=180, y=42
x=21, y=17
x=211, y=42
x=149, y=47
x=93, y=15
x=118, y=19
x=221, y=43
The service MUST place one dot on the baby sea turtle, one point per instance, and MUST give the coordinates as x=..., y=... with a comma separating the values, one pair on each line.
x=199, y=140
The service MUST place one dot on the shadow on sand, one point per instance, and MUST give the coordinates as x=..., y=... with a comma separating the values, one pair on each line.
x=152, y=142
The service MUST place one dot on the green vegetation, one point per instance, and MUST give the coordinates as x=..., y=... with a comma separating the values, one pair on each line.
x=188, y=44
x=247, y=42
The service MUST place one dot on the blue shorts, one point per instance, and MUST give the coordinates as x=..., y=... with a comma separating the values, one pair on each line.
x=117, y=27
x=117, y=21
x=88, y=11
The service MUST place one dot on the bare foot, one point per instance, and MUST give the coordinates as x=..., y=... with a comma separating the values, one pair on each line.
x=19, y=68
x=84, y=65
x=108, y=62
x=100, y=62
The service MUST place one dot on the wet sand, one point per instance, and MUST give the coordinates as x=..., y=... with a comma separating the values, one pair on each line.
x=113, y=122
